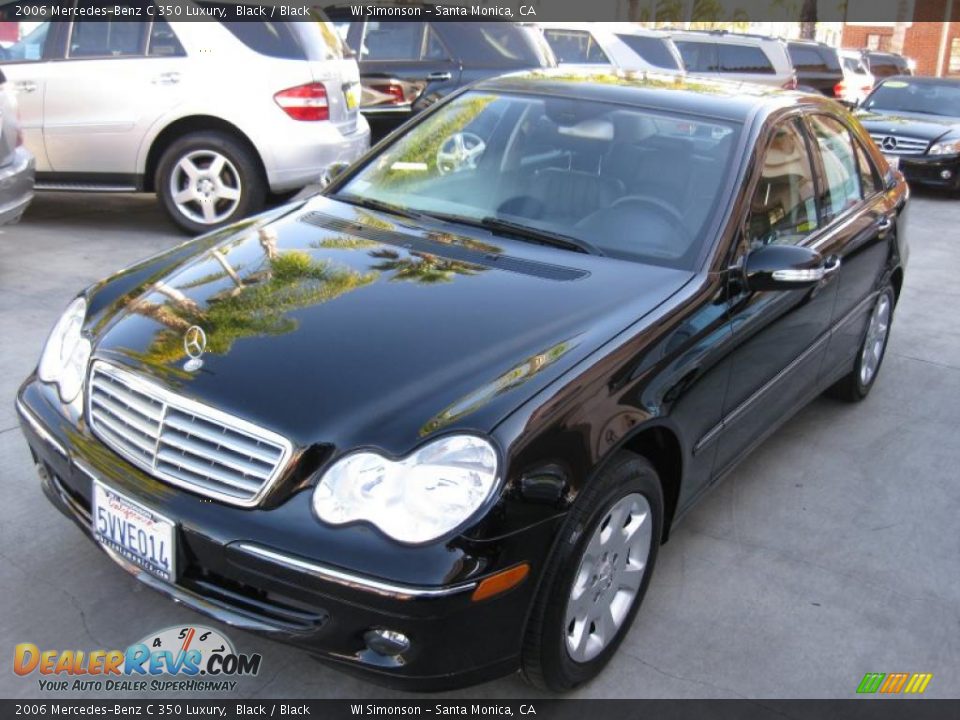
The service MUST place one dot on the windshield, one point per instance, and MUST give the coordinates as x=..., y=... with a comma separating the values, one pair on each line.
x=917, y=97
x=629, y=183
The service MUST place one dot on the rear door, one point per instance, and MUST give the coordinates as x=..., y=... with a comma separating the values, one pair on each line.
x=857, y=220
x=116, y=79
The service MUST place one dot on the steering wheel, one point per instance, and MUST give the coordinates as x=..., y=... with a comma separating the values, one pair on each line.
x=665, y=210
x=460, y=151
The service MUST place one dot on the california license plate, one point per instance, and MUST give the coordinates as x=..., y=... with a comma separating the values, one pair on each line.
x=134, y=532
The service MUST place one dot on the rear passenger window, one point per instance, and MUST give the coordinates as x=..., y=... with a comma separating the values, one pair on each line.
x=783, y=209
x=869, y=177
x=744, y=59
x=273, y=39
x=698, y=56
x=576, y=46
x=654, y=50
x=842, y=175
x=107, y=38
x=163, y=42
x=807, y=58
x=392, y=41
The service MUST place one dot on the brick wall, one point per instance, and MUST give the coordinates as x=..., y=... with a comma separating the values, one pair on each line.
x=922, y=40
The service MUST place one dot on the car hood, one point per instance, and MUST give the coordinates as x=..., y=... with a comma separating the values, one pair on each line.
x=919, y=125
x=341, y=326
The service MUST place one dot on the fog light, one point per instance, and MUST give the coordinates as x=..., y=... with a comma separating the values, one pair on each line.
x=946, y=174
x=386, y=642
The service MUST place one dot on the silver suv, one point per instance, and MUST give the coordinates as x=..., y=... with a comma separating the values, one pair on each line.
x=212, y=116
x=736, y=56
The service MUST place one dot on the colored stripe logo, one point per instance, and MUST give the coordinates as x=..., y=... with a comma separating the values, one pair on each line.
x=894, y=683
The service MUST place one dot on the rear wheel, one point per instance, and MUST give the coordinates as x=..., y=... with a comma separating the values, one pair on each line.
x=209, y=179
x=596, y=577
x=856, y=385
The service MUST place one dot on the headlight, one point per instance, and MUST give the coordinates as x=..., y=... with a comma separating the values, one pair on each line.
x=947, y=147
x=413, y=500
x=65, y=356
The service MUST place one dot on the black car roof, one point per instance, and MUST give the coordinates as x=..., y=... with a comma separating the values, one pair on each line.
x=715, y=98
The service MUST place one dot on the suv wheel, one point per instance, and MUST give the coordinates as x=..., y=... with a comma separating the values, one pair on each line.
x=209, y=179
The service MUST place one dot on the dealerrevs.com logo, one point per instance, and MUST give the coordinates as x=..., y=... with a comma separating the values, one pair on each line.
x=191, y=658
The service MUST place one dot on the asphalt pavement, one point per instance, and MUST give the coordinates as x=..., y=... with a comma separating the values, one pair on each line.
x=834, y=550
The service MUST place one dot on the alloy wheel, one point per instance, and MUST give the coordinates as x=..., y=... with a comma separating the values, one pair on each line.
x=609, y=577
x=876, y=340
x=205, y=186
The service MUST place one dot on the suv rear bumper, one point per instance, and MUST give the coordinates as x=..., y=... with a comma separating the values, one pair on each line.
x=297, y=156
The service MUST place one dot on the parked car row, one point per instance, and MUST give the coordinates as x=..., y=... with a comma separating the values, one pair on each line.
x=176, y=119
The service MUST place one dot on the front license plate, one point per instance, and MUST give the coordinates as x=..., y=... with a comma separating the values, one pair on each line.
x=136, y=533
x=893, y=161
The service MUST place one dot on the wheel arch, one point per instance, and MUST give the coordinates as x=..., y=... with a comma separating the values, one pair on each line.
x=896, y=279
x=659, y=443
x=190, y=124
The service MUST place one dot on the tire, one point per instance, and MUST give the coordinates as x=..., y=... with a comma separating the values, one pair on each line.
x=548, y=660
x=209, y=179
x=856, y=385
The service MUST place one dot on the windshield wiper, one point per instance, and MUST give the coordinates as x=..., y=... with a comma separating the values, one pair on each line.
x=544, y=237
x=379, y=205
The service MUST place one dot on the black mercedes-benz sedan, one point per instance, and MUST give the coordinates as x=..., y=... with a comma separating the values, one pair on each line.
x=916, y=122
x=433, y=424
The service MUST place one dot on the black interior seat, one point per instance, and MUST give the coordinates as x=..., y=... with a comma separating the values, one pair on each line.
x=571, y=195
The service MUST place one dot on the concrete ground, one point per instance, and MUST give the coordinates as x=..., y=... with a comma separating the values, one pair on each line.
x=833, y=551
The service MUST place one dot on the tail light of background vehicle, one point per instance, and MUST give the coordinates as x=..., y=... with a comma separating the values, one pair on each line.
x=392, y=89
x=839, y=89
x=304, y=102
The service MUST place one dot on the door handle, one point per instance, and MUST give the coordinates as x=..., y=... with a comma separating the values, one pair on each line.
x=831, y=265
x=26, y=86
x=167, y=78
x=440, y=75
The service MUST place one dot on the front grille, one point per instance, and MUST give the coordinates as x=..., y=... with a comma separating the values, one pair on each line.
x=183, y=442
x=899, y=145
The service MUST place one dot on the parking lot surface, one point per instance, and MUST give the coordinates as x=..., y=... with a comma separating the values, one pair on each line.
x=834, y=550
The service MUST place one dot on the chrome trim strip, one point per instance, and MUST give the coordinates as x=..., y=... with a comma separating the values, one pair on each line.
x=350, y=580
x=34, y=422
x=714, y=432
x=178, y=402
x=83, y=187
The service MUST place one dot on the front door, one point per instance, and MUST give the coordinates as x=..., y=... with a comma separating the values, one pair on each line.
x=779, y=337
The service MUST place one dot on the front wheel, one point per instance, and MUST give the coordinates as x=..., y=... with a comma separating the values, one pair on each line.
x=596, y=577
x=209, y=179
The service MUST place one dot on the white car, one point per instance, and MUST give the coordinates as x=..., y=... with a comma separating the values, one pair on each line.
x=858, y=81
x=736, y=56
x=621, y=45
x=209, y=115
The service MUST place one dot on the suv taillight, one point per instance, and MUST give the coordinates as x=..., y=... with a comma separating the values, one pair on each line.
x=393, y=90
x=839, y=89
x=304, y=102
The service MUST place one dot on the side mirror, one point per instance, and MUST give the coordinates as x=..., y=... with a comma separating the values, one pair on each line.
x=784, y=267
x=332, y=171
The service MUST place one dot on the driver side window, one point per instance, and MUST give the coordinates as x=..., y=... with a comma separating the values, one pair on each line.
x=783, y=209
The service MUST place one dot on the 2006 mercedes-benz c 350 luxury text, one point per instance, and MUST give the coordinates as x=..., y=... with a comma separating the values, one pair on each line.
x=434, y=424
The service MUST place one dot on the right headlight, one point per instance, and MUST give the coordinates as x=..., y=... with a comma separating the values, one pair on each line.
x=414, y=500
x=947, y=147
x=66, y=353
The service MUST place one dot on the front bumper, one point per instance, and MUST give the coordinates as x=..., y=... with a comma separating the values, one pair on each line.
x=16, y=186
x=247, y=581
x=930, y=170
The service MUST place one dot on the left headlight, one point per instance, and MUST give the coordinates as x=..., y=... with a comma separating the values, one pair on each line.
x=65, y=356
x=947, y=147
x=413, y=500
